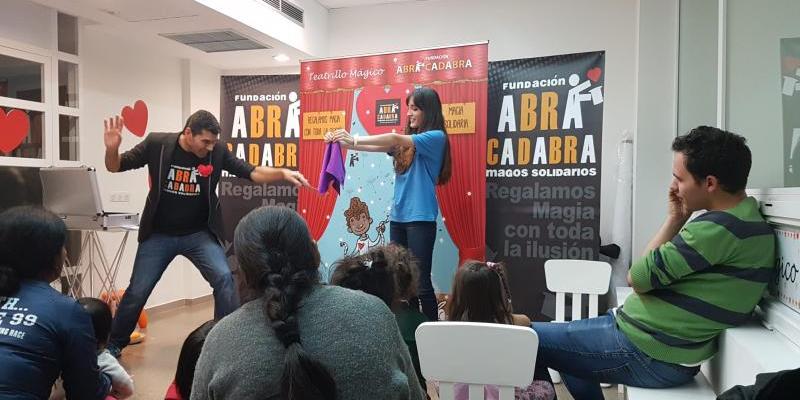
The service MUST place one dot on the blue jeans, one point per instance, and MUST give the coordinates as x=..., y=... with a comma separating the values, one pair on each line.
x=152, y=259
x=419, y=237
x=589, y=351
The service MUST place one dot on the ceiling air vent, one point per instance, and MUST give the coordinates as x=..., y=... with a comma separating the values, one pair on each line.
x=216, y=41
x=290, y=10
x=276, y=4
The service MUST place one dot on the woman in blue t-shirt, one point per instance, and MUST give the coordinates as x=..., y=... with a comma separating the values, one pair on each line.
x=421, y=161
x=43, y=334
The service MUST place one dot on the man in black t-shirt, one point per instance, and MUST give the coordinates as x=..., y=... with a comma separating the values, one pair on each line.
x=182, y=214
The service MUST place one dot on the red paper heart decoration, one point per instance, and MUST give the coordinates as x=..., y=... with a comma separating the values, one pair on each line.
x=366, y=107
x=136, y=118
x=205, y=170
x=14, y=128
x=594, y=74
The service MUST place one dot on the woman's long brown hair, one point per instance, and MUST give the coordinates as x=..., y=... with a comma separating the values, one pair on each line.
x=427, y=100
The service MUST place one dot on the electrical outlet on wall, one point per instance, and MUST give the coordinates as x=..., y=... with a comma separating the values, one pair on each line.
x=120, y=197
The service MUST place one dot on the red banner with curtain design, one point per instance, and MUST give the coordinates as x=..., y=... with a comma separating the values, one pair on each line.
x=367, y=95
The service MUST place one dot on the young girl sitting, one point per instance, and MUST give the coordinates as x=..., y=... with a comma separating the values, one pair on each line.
x=181, y=387
x=121, y=382
x=480, y=294
x=389, y=273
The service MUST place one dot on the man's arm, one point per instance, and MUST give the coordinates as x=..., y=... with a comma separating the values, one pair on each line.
x=270, y=175
x=112, y=138
x=676, y=219
x=261, y=174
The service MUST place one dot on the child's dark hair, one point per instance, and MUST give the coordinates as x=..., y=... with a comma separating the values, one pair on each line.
x=480, y=294
x=387, y=272
x=280, y=260
x=190, y=352
x=101, y=318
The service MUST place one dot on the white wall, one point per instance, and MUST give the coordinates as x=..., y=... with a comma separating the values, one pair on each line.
x=515, y=29
x=697, y=74
x=656, y=121
x=26, y=22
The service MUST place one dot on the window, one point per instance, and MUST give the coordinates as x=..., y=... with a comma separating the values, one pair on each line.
x=39, y=99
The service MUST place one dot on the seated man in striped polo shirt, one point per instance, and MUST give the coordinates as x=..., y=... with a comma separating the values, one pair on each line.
x=695, y=280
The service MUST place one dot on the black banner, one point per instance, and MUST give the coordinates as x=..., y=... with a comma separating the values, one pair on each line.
x=260, y=121
x=543, y=167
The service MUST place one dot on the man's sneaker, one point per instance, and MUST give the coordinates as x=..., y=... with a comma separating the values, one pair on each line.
x=114, y=350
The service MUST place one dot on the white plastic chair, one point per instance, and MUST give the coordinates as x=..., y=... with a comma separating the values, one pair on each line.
x=577, y=277
x=477, y=354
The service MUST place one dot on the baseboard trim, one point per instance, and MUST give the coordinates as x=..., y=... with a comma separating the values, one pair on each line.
x=173, y=305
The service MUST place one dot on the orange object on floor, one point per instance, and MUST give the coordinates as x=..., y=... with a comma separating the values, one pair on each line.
x=113, y=299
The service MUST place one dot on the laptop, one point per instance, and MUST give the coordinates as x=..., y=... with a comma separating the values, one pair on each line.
x=73, y=194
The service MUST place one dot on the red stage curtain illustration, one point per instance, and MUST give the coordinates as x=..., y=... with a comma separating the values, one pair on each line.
x=315, y=208
x=463, y=199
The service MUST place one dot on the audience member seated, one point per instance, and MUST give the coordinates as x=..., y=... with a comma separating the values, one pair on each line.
x=43, y=334
x=389, y=273
x=300, y=339
x=181, y=387
x=480, y=294
x=695, y=280
x=121, y=382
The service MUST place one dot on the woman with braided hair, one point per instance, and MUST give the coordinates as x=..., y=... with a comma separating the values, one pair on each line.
x=300, y=339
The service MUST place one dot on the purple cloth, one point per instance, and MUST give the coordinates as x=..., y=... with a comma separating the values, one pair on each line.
x=332, y=168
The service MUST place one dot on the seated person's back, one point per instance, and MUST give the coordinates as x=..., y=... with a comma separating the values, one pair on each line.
x=43, y=334
x=338, y=343
x=389, y=273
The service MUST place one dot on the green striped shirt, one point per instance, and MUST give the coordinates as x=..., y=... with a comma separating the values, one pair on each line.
x=708, y=278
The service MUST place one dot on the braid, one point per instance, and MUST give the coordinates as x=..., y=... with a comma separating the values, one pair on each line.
x=280, y=260
x=283, y=291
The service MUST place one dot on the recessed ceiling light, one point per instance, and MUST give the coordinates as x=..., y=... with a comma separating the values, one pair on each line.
x=281, y=57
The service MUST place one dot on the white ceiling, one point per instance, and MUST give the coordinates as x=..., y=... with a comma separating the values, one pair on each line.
x=358, y=3
x=145, y=19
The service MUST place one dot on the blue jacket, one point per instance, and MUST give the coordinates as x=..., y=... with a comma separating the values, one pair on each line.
x=44, y=334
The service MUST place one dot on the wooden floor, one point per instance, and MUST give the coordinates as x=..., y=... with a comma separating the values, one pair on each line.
x=152, y=362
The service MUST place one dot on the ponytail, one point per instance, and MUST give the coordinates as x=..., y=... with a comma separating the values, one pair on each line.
x=369, y=273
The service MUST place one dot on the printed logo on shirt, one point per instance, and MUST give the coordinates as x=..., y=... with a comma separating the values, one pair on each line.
x=182, y=181
x=387, y=112
x=13, y=317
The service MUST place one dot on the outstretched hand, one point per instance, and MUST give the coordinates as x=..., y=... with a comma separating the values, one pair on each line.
x=295, y=178
x=112, y=136
x=339, y=136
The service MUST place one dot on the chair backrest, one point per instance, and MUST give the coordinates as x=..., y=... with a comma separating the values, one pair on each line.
x=577, y=277
x=477, y=354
